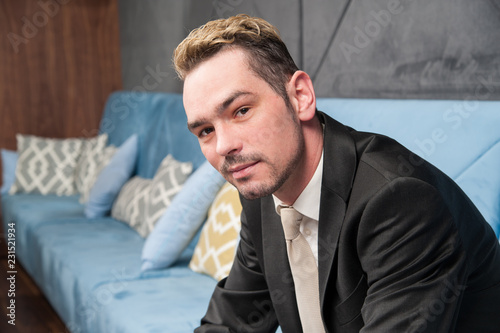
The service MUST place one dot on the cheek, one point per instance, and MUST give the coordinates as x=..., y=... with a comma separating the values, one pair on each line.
x=275, y=133
x=212, y=157
x=267, y=134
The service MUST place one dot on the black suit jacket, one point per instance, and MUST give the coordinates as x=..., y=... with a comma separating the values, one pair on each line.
x=401, y=249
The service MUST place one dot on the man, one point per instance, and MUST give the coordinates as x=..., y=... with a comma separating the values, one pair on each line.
x=390, y=253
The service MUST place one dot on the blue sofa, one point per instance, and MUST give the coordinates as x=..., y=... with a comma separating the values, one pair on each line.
x=90, y=269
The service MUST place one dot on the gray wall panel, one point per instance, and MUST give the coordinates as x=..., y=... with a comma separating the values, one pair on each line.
x=149, y=32
x=366, y=48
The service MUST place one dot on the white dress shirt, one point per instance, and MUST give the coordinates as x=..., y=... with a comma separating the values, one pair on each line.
x=308, y=205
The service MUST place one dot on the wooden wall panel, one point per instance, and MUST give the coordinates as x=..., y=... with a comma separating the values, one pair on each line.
x=59, y=60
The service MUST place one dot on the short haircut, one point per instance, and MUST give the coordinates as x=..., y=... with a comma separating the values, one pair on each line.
x=267, y=55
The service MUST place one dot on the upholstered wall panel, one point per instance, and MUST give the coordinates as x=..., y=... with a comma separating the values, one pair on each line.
x=149, y=32
x=415, y=49
x=444, y=49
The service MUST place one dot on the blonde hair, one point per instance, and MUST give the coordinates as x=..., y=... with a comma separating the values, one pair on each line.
x=267, y=55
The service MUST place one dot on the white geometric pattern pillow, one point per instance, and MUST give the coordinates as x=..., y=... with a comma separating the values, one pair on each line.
x=102, y=160
x=141, y=202
x=46, y=165
x=89, y=160
x=167, y=182
x=130, y=205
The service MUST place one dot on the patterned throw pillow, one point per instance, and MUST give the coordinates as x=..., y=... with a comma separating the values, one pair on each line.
x=89, y=160
x=141, y=202
x=102, y=159
x=167, y=182
x=130, y=206
x=215, y=251
x=175, y=229
x=46, y=165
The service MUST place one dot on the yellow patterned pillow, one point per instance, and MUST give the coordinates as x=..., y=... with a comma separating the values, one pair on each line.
x=214, y=253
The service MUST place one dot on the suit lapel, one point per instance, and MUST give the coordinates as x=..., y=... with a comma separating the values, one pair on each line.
x=338, y=174
x=278, y=274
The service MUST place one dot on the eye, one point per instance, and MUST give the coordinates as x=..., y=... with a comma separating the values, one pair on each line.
x=206, y=131
x=241, y=112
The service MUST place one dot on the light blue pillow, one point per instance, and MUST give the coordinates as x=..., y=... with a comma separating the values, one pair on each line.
x=111, y=179
x=9, y=162
x=182, y=219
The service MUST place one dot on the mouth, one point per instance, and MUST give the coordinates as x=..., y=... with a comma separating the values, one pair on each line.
x=242, y=170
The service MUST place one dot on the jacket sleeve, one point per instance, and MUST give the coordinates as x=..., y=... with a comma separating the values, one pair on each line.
x=415, y=266
x=241, y=302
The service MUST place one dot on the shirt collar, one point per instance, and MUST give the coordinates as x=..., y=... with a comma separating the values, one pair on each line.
x=308, y=201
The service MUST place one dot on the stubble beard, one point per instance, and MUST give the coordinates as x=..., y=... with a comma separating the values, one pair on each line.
x=276, y=178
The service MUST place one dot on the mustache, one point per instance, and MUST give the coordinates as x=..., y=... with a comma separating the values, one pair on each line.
x=238, y=159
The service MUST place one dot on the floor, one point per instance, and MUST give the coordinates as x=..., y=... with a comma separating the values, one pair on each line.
x=33, y=313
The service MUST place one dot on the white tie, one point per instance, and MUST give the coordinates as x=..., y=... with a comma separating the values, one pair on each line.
x=304, y=271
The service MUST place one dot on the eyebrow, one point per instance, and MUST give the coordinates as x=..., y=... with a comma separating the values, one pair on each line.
x=219, y=109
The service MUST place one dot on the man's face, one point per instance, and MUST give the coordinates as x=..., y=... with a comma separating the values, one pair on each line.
x=245, y=129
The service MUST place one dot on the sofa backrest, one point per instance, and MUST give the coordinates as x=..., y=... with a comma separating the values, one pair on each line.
x=462, y=138
x=159, y=121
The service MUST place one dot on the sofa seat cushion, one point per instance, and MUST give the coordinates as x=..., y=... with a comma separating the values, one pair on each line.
x=30, y=211
x=35, y=208
x=173, y=304
x=75, y=259
x=71, y=258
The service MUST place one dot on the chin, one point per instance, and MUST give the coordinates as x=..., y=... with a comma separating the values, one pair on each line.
x=254, y=191
x=251, y=195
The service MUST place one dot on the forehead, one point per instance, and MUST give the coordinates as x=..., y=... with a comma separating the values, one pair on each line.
x=218, y=77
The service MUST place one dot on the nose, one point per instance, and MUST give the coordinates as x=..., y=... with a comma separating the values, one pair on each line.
x=228, y=141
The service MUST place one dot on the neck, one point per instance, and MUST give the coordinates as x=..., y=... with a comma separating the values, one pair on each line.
x=298, y=180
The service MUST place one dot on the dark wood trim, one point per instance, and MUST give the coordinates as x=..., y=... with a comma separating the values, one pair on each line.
x=59, y=61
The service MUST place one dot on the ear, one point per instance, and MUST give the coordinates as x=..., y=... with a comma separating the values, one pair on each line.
x=302, y=96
